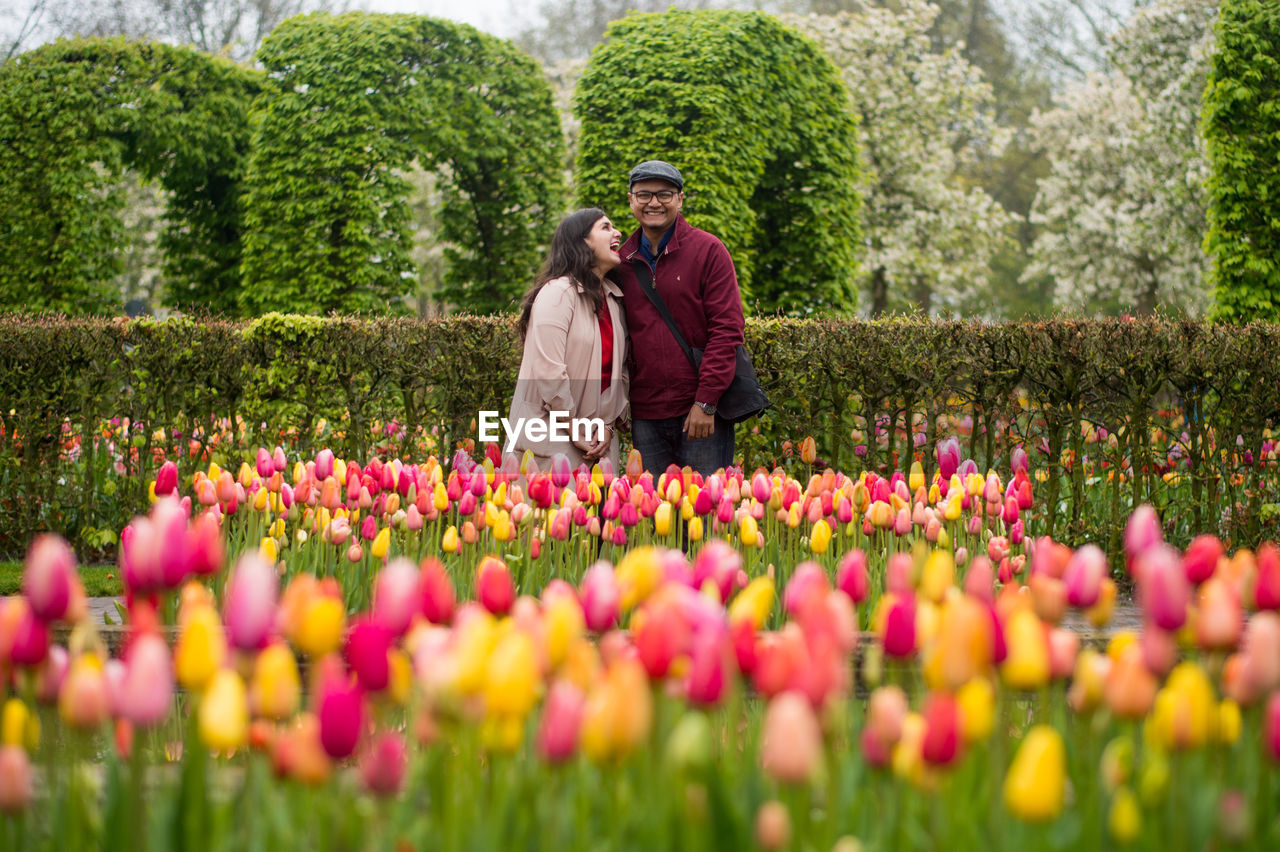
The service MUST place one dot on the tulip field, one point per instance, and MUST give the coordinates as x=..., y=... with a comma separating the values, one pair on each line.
x=337, y=654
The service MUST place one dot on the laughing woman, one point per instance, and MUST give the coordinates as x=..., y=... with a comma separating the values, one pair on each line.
x=575, y=345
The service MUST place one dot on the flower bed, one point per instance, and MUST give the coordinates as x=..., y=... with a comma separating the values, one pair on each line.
x=399, y=656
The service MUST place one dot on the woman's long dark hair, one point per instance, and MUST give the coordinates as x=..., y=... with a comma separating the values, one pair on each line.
x=570, y=257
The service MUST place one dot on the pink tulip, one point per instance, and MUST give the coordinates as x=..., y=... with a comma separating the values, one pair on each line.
x=494, y=587
x=791, y=751
x=15, y=779
x=83, y=700
x=365, y=651
x=263, y=464
x=948, y=453
x=1084, y=575
x=1064, y=645
x=560, y=470
x=1141, y=533
x=341, y=719
x=979, y=580
x=395, y=595
x=29, y=644
x=166, y=479
x=1159, y=649
x=51, y=673
x=719, y=562
x=1260, y=651
x=383, y=763
x=324, y=465
x=708, y=678
x=146, y=694
x=1200, y=559
x=1266, y=589
x=601, y=597
x=561, y=720
x=807, y=586
x=851, y=577
x=48, y=576
x=1018, y=460
x=249, y=608
x=900, y=628
x=1162, y=586
x=897, y=571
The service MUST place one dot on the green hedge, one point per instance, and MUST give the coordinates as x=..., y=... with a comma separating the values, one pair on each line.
x=400, y=386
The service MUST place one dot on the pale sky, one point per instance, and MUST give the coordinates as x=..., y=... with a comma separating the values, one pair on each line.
x=500, y=17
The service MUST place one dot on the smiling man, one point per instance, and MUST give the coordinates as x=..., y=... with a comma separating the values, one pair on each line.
x=673, y=406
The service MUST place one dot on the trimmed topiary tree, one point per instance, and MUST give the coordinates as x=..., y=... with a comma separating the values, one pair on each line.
x=1242, y=130
x=757, y=119
x=355, y=100
x=73, y=115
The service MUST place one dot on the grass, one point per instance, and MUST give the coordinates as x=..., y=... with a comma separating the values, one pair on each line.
x=100, y=581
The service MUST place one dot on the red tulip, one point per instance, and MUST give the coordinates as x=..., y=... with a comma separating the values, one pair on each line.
x=942, y=736
x=708, y=663
x=660, y=636
x=1272, y=740
x=719, y=562
x=494, y=587
x=49, y=576
x=437, y=597
x=1200, y=559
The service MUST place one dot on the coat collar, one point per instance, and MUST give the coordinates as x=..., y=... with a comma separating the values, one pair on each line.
x=631, y=248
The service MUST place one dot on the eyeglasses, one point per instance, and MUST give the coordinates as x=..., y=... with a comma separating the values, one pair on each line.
x=644, y=196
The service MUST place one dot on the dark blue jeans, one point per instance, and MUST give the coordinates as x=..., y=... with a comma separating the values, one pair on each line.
x=662, y=443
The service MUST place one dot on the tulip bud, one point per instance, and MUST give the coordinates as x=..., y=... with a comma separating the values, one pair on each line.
x=201, y=648
x=773, y=826
x=561, y=719
x=341, y=719
x=395, y=595
x=437, y=595
x=494, y=587
x=224, y=713
x=147, y=690
x=250, y=602
x=365, y=651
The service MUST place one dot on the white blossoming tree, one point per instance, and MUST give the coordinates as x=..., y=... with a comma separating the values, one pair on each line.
x=925, y=114
x=1123, y=209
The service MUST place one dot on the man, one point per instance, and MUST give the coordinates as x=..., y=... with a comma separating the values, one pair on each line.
x=673, y=407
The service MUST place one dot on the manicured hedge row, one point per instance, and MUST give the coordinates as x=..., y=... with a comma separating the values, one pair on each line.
x=1083, y=398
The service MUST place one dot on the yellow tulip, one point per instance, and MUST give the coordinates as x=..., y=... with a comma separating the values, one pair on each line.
x=260, y=500
x=1124, y=820
x=977, y=700
x=915, y=479
x=276, y=687
x=1229, y=721
x=474, y=642
x=381, y=543
x=19, y=726
x=201, y=648
x=511, y=677
x=755, y=602
x=440, y=497
x=1035, y=788
x=748, y=532
x=820, y=538
x=268, y=549
x=449, y=542
x=564, y=625
x=662, y=519
x=695, y=529
x=224, y=713
x=1185, y=713
x=938, y=575
x=618, y=713
x=1027, y=664
x=400, y=684
x=638, y=574
x=320, y=627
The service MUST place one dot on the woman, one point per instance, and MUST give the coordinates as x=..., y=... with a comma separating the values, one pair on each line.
x=574, y=332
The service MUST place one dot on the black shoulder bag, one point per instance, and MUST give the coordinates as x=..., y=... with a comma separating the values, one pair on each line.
x=744, y=398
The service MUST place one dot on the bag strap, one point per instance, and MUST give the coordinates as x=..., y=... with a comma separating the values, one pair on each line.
x=645, y=277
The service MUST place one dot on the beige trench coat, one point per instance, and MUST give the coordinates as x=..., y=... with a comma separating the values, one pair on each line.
x=560, y=369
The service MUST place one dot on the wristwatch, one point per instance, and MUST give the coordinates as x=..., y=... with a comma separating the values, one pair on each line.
x=707, y=408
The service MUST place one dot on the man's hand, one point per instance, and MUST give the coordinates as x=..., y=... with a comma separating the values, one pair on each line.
x=699, y=424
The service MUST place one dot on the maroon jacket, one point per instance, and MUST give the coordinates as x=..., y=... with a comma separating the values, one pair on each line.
x=696, y=279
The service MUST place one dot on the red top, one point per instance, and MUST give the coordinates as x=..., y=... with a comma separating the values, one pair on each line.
x=606, y=345
x=696, y=278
